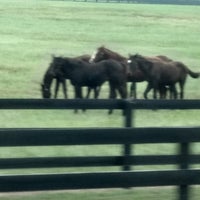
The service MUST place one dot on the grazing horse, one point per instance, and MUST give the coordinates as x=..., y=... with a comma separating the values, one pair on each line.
x=133, y=75
x=53, y=73
x=93, y=75
x=162, y=74
x=47, y=81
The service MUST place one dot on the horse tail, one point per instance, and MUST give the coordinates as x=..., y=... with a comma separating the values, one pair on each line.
x=188, y=71
x=193, y=74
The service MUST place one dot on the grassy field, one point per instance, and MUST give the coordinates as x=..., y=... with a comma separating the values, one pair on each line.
x=31, y=31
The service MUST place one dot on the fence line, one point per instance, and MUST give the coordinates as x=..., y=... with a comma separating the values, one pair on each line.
x=127, y=136
x=45, y=137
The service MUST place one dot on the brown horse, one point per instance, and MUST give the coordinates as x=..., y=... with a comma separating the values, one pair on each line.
x=103, y=53
x=53, y=73
x=162, y=74
x=133, y=75
x=92, y=75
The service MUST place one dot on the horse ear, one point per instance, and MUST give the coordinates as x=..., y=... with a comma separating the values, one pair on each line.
x=137, y=55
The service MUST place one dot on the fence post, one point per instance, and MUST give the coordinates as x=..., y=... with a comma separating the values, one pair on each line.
x=184, y=164
x=128, y=123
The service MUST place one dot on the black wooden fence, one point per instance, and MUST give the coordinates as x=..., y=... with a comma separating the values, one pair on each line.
x=183, y=176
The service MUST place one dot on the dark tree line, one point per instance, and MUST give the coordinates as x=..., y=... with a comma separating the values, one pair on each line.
x=181, y=2
x=177, y=2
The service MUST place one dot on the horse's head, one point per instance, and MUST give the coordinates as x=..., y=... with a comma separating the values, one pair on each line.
x=57, y=62
x=139, y=62
x=133, y=62
x=46, y=93
x=47, y=81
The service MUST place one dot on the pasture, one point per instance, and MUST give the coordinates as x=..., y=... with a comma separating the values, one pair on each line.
x=31, y=31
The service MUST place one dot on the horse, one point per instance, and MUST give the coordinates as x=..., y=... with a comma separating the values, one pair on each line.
x=133, y=75
x=50, y=74
x=103, y=53
x=162, y=74
x=93, y=75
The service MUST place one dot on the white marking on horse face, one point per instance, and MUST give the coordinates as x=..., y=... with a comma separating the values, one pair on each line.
x=129, y=61
x=93, y=57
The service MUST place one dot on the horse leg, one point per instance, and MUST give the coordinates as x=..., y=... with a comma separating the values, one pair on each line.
x=123, y=94
x=162, y=91
x=133, y=92
x=112, y=95
x=155, y=93
x=78, y=94
x=123, y=91
x=181, y=89
x=56, y=88
x=97, y=91
x=155, y=89
x=64, y=88
x=75, y=96
x=147, y=90
x=173, y=92
x=88, y=95
x=88, y=92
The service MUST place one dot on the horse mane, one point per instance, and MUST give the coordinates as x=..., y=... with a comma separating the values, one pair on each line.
x=115, y=54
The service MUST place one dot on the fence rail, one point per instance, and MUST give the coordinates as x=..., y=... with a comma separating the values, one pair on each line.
x=97, y=104
x=183, y=137
x=98, y=180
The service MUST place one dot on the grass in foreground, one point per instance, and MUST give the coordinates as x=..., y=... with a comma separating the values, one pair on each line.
x=169, y=193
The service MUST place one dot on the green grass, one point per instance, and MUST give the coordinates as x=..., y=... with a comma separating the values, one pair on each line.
x=31, y=31
x=116, y=194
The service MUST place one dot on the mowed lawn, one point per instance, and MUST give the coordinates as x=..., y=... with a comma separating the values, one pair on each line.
x=32, y=31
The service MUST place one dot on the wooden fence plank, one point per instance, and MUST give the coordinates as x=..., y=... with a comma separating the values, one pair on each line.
x=98, y=180
x=46, y=137
x=97, y=104
x=93, y=161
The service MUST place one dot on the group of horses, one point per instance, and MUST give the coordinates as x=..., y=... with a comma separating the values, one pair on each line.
x=104, y=65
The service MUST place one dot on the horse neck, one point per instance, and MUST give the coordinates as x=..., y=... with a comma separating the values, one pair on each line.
x=115, y=56
x=48, y=78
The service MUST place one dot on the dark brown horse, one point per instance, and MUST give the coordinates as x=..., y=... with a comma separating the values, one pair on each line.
x=53, y=73
x=93, y=75
x=103, y=53
x=133, y=75
x=162, y=74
